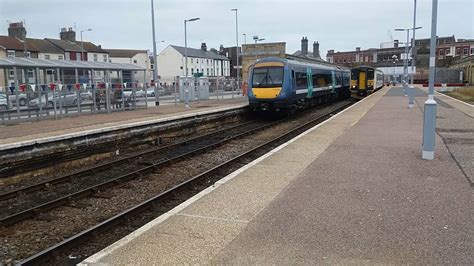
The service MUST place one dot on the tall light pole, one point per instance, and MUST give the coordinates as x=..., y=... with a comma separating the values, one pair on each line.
x=155, y=61
x=256, y=39
x=186, y=58
x=186, y=45
x=237, y=48
x=407, y=90
x=413, y=46
x=429, y=114
x=82, y=44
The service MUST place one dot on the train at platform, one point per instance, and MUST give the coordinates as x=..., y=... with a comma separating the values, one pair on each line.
x=365, y=80
x=288, y=85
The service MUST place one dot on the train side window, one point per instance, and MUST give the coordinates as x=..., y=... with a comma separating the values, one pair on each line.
x=301, y=79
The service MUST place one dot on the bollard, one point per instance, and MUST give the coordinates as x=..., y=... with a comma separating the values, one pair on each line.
x=411, y=97
x=429, y=128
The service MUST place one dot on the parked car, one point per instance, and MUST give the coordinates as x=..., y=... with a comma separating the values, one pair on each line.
x=22, y=99
x=3, y=102
x=86, y=95
x=150, y=92
x=127, y=92
x=70, y=99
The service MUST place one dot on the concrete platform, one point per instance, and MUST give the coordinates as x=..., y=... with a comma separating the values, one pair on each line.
x=23, y=134
x=351, y=190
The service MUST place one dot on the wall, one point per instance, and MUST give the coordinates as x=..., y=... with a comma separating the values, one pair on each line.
x=252, y=52
x=169, y=64
x=142, y=60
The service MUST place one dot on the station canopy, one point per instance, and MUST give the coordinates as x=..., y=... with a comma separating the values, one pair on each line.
x=11, y=62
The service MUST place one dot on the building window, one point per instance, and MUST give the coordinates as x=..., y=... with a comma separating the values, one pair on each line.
x=441, y=52
x=105, y=57
x=191, y=60
x=197, y=61
x=60, y=57
x=68, y=56
x=472, y=50
x=47, y=56
x=11, y=73
x=10, y=53
x=458, y=51
x=202, y=71
x=447, y=51
x=95, y=57
x=79, y=57
x=207, y=61
x=28, y=54
x=192, y=70
x=464, y=51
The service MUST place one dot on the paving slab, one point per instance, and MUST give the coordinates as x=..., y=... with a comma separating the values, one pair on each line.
x=369, y=198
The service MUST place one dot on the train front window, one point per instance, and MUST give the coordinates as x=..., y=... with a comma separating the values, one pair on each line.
x=267, y=77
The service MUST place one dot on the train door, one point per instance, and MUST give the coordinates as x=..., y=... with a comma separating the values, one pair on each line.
x=362, y=80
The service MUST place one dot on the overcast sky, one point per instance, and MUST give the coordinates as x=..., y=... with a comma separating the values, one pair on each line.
x=337, y=24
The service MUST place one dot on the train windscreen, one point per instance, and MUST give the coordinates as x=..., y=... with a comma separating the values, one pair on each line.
x=267, y=77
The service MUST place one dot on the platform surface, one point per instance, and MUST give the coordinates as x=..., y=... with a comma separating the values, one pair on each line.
x=26, y=132
x=351, y=190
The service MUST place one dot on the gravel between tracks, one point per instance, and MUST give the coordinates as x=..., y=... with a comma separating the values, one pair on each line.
x=33, y=235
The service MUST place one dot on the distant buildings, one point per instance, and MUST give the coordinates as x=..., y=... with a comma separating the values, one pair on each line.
x=135, y=57
x=17, y=44
x=201, y=62
x=449, y=52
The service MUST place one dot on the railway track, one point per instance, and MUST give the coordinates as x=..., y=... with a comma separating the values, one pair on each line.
x=131, y=167
x=186, y=187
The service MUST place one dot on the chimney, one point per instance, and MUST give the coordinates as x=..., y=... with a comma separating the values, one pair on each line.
x=67, y=34
x=304, y=46
x=17, y=30
x=316, y=50
x=357, y=49
x=221, y=49
x=203, y=46
x=395, y=43
x=331, y=51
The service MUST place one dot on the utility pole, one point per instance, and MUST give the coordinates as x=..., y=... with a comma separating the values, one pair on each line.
x=237, y=48
x=413, y=47
x=155, y=61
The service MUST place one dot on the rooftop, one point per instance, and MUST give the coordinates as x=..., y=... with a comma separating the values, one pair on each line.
x=43, y=63
x=192, y=52
x=127, y=53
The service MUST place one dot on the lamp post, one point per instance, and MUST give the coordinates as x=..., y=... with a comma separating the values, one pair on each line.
x=237, y=48
x=155, y=61
x=429, y=114
x=256, y=39
x=186, y=58
x=82, y=44
x=408, y=90
x=413, y=46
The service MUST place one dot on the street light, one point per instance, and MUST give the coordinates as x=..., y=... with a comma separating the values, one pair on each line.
x=429, y=114
x=186, y=56
x=256, y=39
x=155, y=56
x=405, y=69
x=237, y=48
x=82, y=44
x=413, y=47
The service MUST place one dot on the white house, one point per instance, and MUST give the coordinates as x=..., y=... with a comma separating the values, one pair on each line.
x=210, y=64
x=135, y=57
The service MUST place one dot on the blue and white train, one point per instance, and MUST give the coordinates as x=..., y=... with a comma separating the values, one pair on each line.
x=277, y=84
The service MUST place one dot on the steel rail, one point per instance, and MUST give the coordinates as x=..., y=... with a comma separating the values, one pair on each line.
x=69, y=198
